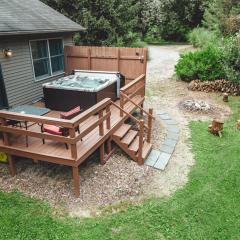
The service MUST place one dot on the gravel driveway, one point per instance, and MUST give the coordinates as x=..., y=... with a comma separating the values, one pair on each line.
x=162, y=60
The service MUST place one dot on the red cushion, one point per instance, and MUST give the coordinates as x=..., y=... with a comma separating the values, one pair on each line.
x=71, y=114
x=52, y=129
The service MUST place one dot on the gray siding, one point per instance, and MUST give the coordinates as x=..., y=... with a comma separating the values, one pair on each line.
x=17, y=71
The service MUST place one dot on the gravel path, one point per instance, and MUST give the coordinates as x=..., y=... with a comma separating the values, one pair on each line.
x=119, y=179
x=165, y=93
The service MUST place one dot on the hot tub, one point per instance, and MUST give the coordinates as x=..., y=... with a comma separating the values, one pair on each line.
x=83, y=88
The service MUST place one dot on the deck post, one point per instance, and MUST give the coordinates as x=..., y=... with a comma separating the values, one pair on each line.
x=102, y=154
x=5, y=135
x=11, y=166
x=101, y=127
x=109, y=145
x=73, y=146
x=121, y=104
x=109, y=118
x=141, y=111
x=150, y=119
x=141, y=136
x=76, y=181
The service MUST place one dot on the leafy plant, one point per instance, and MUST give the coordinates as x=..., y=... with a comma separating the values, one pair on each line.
x=203, y=64
x=201, y=37
x=179, y=17
x=222, y=16
x=153, y=37
x=231, y=59
x=109, y=22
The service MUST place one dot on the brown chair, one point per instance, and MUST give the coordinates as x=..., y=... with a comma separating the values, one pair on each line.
x=61, y=131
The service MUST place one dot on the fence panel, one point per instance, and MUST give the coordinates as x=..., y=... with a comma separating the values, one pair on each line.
x=131, y=62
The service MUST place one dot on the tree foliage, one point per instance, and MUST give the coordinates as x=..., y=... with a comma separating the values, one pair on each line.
x=178, y=17
x=107, y=22
x=122, y=22
x=223, y=16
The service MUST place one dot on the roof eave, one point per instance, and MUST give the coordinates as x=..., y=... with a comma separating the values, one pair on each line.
x=22, y=32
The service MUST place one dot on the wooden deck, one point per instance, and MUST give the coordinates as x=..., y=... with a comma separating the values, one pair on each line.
x=53, y=151
x=97, y=126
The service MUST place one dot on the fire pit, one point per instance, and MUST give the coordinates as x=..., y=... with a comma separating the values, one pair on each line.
x=195, y=105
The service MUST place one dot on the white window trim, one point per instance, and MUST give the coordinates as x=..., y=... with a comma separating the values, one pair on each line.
x=49, y=58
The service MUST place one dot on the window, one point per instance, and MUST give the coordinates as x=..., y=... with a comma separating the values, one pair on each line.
x=47, y=57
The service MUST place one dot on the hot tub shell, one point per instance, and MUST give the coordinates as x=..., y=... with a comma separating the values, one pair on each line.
x=65, y=99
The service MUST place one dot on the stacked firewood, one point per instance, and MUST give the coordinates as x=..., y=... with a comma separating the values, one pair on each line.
x=215, y=86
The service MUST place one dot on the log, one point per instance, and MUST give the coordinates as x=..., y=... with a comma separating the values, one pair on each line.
x=238, y=124
x=225, y=97
x=216, y=127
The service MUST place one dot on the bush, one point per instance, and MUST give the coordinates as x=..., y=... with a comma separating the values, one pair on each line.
x=138, y=44
x=203, y=65
x=221, y=16
x=231, y=59
x=180, y=17
x=153, y=36
x=201, y=37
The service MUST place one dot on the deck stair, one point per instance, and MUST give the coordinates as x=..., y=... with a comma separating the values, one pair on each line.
x=128, y=140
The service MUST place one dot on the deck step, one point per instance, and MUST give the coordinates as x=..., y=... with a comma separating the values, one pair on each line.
x=146, y=150
x=129, y=137
x=121, y=132
x=134, y=145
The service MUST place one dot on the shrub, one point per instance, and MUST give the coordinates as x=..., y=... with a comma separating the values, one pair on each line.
x=203, y=65
x=201, y=37
x=231, y=59
x=138, y=44
x=153, y=36
x=179, y=17
x=222, y=16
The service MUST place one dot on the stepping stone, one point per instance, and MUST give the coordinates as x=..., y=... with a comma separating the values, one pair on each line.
x=173, y=129
x=172, y=135
x=170, y=122
x=167, y=149
x=160, y=112
x=170, y=142
x=160, y=158
x=165, y=117
x=162, y=161
x=152, y=158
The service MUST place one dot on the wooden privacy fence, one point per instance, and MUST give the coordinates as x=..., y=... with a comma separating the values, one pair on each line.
x=131, y=62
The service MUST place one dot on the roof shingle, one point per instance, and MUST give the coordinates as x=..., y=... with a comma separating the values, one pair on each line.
x=32, y=16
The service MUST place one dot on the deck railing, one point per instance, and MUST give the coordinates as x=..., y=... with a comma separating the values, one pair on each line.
x=102, y=109
x=127, y=94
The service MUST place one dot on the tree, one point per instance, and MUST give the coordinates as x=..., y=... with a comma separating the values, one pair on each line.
x=223, y=16
x=178, y=17
x=107, y=22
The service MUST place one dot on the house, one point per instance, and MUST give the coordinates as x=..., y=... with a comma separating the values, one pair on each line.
x=32, y=40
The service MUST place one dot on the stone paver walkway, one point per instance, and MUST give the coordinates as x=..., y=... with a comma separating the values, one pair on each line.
x=160, y=158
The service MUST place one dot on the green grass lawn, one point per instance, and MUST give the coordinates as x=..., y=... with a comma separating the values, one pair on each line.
x=208, y=207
